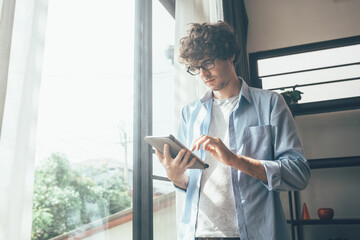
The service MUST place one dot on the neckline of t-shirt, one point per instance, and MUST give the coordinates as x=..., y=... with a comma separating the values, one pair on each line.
x=231, y=99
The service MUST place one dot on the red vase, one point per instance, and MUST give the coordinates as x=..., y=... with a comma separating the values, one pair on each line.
x=305, y=213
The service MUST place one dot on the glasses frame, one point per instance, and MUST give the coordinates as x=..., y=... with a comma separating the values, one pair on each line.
x=202, y=66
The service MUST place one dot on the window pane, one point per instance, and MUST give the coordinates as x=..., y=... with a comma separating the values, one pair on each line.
x=320, y=84
x=328, y=91
x=311, y=77
x=164, y=207
x=163, y=117
x=83, y=178
x=163, y=76
x=309, y=60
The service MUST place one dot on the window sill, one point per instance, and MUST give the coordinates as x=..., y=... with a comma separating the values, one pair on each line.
x=326, y=106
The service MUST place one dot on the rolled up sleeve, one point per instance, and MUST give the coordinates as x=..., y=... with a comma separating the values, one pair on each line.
x=289, y=170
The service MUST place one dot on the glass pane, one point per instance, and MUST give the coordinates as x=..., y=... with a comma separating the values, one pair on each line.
x=329, y=91
x=163, y=117
x=309, y=60
x=164, y=207
x=83, y=175
x=163, y=76
x=320, y=92
x=289, y=80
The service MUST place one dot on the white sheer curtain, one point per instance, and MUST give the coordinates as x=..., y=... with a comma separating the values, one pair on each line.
x=6, y=23
x=22, y=32
x=187, y=87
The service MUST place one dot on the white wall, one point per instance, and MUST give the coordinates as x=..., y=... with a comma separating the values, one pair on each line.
x=329, y=135
x=283, y=23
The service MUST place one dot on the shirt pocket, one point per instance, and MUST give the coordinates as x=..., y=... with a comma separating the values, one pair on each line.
x=257, y=143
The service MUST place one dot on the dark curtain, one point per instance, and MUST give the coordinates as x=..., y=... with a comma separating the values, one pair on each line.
x=235, y=15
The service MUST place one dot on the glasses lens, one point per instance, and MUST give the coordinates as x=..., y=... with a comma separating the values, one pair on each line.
x=208, y=65
x=194, y=70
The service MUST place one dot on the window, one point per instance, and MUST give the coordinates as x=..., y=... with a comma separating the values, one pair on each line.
x=83, y=178
x=164, y=209
x=89, y=139
x=322, y=71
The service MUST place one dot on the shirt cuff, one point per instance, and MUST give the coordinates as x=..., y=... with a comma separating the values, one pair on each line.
x=273, y=174
x=180, y=189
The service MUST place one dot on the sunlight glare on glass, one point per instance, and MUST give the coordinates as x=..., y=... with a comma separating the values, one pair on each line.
x=309, y=60
x=87, y=85
x=311, y=77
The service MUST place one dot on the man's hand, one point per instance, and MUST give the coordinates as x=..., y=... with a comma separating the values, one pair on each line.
x=175, y=167
x=216, y=147
x=221, y=153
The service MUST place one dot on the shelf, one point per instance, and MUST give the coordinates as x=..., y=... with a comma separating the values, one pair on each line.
x=350, y=161
x=297, y=225
x=325, y=222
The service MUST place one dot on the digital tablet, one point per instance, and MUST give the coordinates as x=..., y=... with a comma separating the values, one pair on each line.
x=175, y=146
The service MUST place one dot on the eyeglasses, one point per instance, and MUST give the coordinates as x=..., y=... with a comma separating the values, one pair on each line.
x=207, y=65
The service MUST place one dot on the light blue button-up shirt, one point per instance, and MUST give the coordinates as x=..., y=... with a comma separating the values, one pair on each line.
x=261, y=127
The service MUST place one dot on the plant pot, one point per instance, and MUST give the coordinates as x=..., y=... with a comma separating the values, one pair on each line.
x=325, y=213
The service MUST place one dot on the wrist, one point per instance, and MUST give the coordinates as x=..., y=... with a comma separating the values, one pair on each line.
x=235, y=160
x=181, y=181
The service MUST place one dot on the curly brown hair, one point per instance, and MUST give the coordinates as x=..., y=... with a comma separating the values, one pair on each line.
x=208, y=41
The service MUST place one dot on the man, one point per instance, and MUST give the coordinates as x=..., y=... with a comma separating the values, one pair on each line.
x=246, y=135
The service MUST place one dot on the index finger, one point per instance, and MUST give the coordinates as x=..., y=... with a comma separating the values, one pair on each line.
x=201, y=136
x=196, y=145
x=193, y=145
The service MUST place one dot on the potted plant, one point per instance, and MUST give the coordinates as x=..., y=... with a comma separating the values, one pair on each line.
x=291, y=97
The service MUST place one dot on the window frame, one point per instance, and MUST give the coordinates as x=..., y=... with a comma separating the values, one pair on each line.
x=312, y=107
x=142, y=161
x=142, y=151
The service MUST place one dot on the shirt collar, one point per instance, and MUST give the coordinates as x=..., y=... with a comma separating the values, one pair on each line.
x=244, y=92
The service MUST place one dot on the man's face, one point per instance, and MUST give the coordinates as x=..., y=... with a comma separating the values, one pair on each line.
x=219, y=76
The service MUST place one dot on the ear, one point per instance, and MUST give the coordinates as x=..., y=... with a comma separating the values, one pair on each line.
x=231, y=59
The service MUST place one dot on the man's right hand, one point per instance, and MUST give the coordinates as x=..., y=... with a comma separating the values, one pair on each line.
x=175, y=167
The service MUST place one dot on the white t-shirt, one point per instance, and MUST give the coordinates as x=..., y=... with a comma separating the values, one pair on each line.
x=217, y=212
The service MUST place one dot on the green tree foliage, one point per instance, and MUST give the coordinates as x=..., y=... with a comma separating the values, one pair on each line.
x=67, y=197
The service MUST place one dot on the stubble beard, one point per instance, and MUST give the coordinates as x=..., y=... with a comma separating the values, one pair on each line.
x=221, y=86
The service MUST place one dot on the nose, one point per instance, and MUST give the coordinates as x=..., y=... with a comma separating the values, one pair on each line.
x=204, y=72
